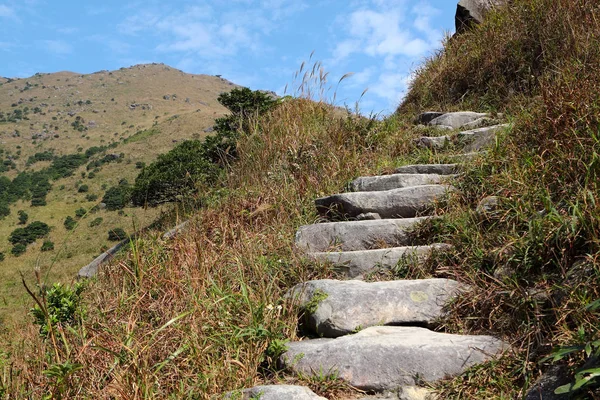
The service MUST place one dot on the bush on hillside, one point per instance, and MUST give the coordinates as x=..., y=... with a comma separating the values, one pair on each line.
x=117, y=197
x=70, y=223
x=116, y=234
x=29, y=234
x=178, y=173
x=18, y=249
x=23, y=217
x=47, y=245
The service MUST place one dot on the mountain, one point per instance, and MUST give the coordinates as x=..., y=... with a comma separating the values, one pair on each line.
x=127, y=118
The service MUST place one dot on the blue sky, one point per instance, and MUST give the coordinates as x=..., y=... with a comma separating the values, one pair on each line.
x=255, y=43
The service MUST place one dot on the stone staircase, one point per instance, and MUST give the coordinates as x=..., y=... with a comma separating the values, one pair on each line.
x=377, y=336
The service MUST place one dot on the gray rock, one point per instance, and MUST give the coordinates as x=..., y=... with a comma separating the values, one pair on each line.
x=355, y=235
x=487, y=205
x=387, y=357
x=439, y=169
x=275, y=392
x=395, y=203
x=480, y=138
x=341, y=307
x=456, y=119
x=543, y=388
x=90, y=270
x=427, y=116
x=367, y=216
x=472, y=12
x=405, y=393
x=435, y=142
x=480, y=123
x=394, y=181
x=356, y=263
x=175, y=231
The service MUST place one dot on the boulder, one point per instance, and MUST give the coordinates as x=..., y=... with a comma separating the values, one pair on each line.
x=395, y=203
x=90, y=270
x=335, y=308
x=172, y=233
x=388, y=357
x=354, y=264
x=394, y=181
x=405, y=393
x=367, y=216
x=275, y=392
x=439, y=169
x=472, y=12
x=456, y=120
x=355, y=235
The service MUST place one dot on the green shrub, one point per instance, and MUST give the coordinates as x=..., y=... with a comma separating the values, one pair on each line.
x=117, y=197
x=18, y=249
x=2, y=256
x=70, y=223
x=80, y=212
x=116, y=234
x=83, y=189
x=47, y=245
x=96, y=222
x=29, y=234
x=23, y=217
x=62, y=307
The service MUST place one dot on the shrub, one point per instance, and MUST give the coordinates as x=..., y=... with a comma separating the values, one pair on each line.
x=29, y=234
x=47, y=245
x=18, y=249
x=70, y=223
x=96, y=222
x=62, y=307
x=80, y=212
x=2, y=256
x=23, y=217
x=83, y=189
x=117, y=197
x=116, y=234
x=91, y=197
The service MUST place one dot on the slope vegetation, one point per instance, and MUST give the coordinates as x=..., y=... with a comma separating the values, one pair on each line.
x=206, y=313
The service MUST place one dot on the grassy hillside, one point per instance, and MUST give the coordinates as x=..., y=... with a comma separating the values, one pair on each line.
x=137, y=113
x=205, y=313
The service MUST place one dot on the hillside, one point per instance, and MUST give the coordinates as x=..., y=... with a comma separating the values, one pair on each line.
x=450, y=249
x=132, y=115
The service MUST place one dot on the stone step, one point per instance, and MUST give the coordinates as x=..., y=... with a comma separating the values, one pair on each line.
x=432, y=142
x=395, y=203
x=394, y=181
x=479, y=139
x=275, y=392
x=439, y=169
x=387, y=357
x=355, y=235
x=456, y=120
x=356, y=263
x=335, y=308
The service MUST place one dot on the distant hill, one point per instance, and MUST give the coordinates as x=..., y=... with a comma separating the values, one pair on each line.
x=131, y=115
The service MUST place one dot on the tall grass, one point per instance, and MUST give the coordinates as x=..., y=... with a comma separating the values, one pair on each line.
x=204, y=314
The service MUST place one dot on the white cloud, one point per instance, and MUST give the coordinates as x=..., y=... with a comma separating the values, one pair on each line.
x=7, y=12
x=58, y=47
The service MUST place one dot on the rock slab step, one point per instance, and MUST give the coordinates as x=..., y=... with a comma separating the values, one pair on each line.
x=356, y=263
x=394, y=181
x=355, y=235
x=335, y=308
x=387, y=357
x=432, y=142
x=275, y=392
x=457, y=120
x=479, y=139
x=438, y=169
x=395, y=203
